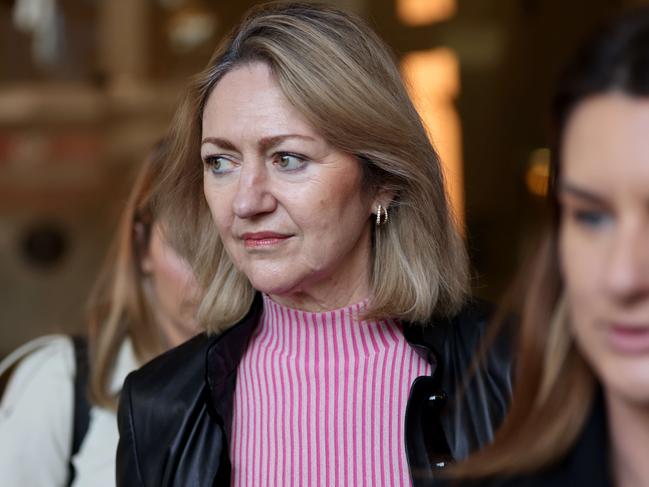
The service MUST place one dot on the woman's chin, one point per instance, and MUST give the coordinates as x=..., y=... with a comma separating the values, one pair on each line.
x=272, y=286
x=629, y=383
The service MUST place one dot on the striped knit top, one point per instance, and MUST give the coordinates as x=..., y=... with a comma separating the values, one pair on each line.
x=320, y=400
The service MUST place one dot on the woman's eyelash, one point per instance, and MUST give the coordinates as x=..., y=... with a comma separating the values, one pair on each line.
x=211, y=160
x=283, y=161
x=591, y=218
x=289, y=161
x=218, y=164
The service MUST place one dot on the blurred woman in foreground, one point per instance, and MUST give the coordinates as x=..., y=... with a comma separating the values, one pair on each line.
x=143, y=303
x=580, y=410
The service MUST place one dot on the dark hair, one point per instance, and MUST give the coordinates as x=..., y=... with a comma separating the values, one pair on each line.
x=554, y=386
x=614, y=58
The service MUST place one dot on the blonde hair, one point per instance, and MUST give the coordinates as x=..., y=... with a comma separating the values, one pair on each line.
x=336, y=71
x=118, y=306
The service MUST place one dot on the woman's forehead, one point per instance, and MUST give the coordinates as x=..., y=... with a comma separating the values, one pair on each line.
x=606, y=142
x=249, y=100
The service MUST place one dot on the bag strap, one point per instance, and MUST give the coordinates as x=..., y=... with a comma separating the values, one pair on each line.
x=81, y=416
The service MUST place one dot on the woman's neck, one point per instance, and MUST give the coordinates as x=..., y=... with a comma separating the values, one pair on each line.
x=333, y=288
x=333, y=294
x=629, y=433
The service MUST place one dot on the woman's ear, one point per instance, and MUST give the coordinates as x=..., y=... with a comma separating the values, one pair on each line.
x=141, y=238
x=383, y=197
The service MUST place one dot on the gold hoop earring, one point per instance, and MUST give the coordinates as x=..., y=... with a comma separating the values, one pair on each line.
x=381, y=216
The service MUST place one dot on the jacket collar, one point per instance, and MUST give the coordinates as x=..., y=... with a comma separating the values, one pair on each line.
x=428, y=341
x=226, y=350
x=222, y=359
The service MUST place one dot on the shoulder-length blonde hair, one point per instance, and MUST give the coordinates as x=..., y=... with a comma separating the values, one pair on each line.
x=118, y=306
x=336, y=71
x=554, y=384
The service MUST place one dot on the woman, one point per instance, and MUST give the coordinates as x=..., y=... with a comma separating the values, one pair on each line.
x=143, y=303
x=335, y=301
x=580, y=410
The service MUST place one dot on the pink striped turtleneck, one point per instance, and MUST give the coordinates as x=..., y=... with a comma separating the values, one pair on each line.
x=321, y=399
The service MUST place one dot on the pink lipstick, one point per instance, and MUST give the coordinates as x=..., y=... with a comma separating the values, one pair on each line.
x=263, y=239
x=629, y=339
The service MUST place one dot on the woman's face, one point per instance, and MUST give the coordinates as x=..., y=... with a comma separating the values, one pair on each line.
x=604, y=238
x=291, y=209
x=173, y=289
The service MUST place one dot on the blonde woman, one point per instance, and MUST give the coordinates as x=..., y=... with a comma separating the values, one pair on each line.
x=304, y=188
x=580, y=409
x=143, y=303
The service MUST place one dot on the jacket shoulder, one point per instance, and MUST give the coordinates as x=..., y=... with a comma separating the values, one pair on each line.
x=475, y=350
x=485, y=339
x=473, y=319
x=479, y=327
x=171, y=382
x=185, y=363
x=467, y=328
x=160, y=404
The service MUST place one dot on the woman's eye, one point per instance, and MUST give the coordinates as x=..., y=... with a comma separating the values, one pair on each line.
x=591, y=218
x=218, y=164
x=289, y=162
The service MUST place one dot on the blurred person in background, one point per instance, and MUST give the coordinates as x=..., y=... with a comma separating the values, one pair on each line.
x=580, y=409
x=306, y=190
x=143, y=303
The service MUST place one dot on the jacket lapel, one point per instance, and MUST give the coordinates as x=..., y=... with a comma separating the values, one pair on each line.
x=222, y=359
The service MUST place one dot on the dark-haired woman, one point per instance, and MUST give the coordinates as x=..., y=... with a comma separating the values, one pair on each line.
x=580, y=410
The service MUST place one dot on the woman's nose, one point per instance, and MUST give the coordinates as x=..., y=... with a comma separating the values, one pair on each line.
x=253, y=196
x=627, y=272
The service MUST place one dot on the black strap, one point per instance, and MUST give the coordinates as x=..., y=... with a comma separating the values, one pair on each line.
x=81, y=404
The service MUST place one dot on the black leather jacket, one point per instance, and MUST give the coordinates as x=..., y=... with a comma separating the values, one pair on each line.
x=175, y=413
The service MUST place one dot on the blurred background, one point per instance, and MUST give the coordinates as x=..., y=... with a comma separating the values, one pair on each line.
x=86, y=86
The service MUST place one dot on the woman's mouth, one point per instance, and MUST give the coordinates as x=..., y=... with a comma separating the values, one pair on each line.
x=258, y=240
x=629, y=339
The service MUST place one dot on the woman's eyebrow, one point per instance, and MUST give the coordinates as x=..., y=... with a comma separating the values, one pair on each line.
x=268, y=143
x=265, y=143
x=222, y=143
x=571, y=189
